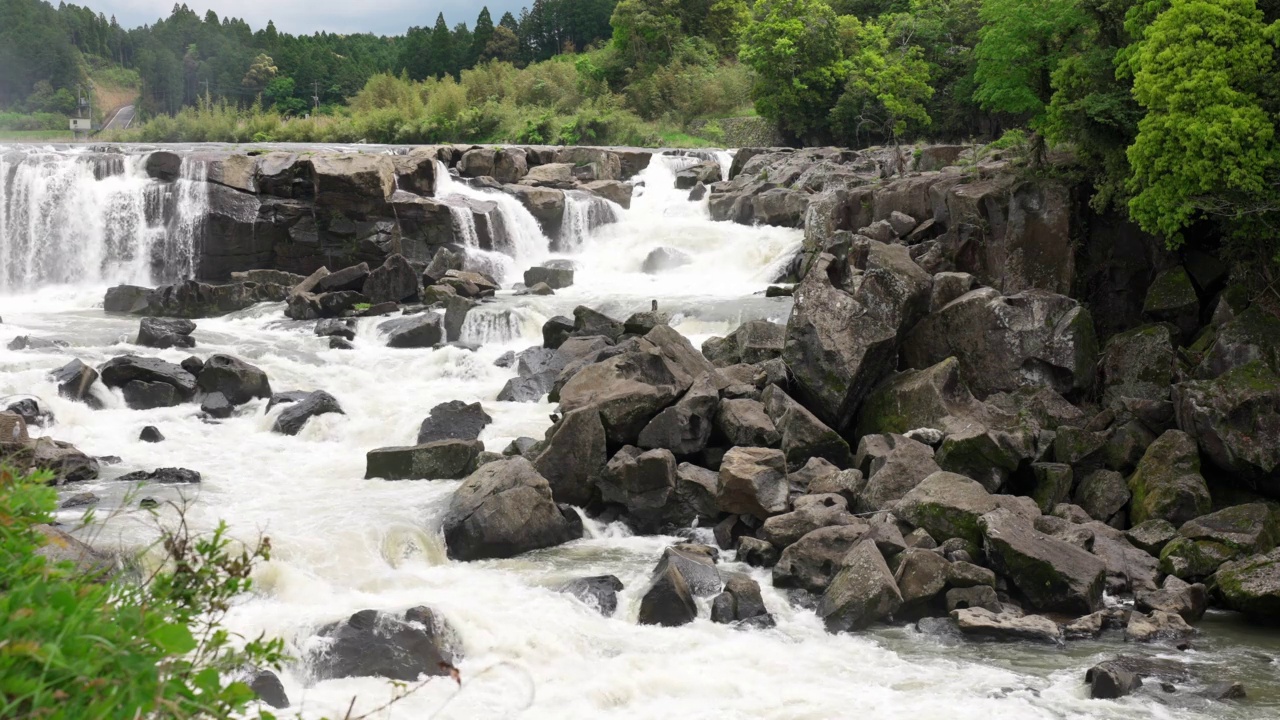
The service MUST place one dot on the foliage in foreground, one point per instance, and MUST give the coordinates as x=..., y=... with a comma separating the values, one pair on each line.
x=80, y=647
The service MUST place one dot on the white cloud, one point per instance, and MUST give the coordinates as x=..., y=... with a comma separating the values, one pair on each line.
x=387, y=17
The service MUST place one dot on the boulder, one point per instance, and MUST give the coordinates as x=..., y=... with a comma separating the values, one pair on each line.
x=162, y=476
x=343, y=328
x=705, y=173
x=684, y=428
x=295, y=417
x=753, y=482
x=236, y=379
x=469, y=284
x=840, y=344
x=1251, y=336
x=894, y=465
x=1251, y=585
x=438, y=460
x=1158, y=626
x=660, y=260
x=743, y=422
x=120, y=371
x=504, y=509
x=812, y=512
x=554, y=277
x=812, y=561
x=141, y=395
x=803, y=435
x=31, y=408
x=453, y=420
x=977, y=596
x=948, y=506
x=26, y=342
x=1034, y=338
x=628, y=390
x=1138, y=364
x=1052, y=483
x=1152, y=535
x=862, y=593
x=740, y=602
x=555, y=331
x=394, y=281
x=63, y=459
x=644, y=482
x=614, y=191
x=166, y=333
x=756, y=552
x=60, y=546
x=348, y=279
x=1204, y=543
x=416, y=331
x=1053, y=575
x=573, y=456
x=126, y=300
x=1175, y=596
x=1235, y=420
x=545, y=204
x=216, y=405
x=75, y=382
x=921, y=576
x=266, y=686
x=1102, y=494
x=1172, y=298
x=667, y=601
x=377, y=644
x=1110, y=681
x=600, y=593
x=983, y=623
x=1167, y=484
x=589, y=322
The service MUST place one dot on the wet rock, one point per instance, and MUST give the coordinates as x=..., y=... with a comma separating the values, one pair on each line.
x=684, y=428
x=394, y=281
x=1102, y=494
x=803, y=435
x=983, y=623
x=416, y=331
x=336, y=327
x=1110, y=681
x=862, y=593
x=1206, y=542
x=348, y=279
x=84, y=499
x=75, y=382
x=26, y=342
x=295, y=417
x=813, y=560
x=948, y=506
x=628, y=390
x=664, y=259
x=1175, y=596
x=1151, y=535
x=753, y=482
x=454, y=420
x=63, y=459
x=704, y=173
x=599, y=593
x=978, y=596
x=741, y=601
x=1167, y=484
x=1172, y=298
x=1251, y=585
x=1158, y=626
x=216, y=405
x=504, y=509
x=163, y=476
x=588, y=322
x=811, y=513
x=644, y=483
x=267, y=687
x=554, y=277
x=698, y=193
x=756, y=552
x=573, y=456
x=555, y=331
x=667, y=601
x=921, y=575
x=894, y=466
x=126, y=300
x=139, y=395
x=437, y=460
x=1224, y=690
x=1235, y=420
x=1053, y=575
x=236, y=379
x=120, y=371
x=166, y=333
x=377, y=644
x=1251, y=336
x=151, y=434
x=286, y=397
x=29, y=407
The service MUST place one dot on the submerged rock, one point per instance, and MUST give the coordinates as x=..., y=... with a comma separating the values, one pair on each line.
x=377, y=644
x=437, y=460
x=294, y=417
x=453, y=420
x=599, y=593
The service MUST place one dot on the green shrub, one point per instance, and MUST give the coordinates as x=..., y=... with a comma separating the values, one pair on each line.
x=77, y=645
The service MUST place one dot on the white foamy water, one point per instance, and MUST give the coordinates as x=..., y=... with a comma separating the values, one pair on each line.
x=343, y=543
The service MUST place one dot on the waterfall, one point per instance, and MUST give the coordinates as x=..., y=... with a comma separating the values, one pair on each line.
x=71, y=217
x=725, y=158
x=584, y=212
x=516, y=231
x=500, y=326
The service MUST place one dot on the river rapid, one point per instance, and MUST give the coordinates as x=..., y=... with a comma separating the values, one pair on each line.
x=343, y=543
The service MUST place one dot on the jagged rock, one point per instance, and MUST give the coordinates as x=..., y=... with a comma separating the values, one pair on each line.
x=166, y=333
x=948, y=286
x=642, y=322
x=163, y=476
x=600, y=593
x=26, y=342
x=983, y=623
x=645, y=484
x=1175, y=596
x=588, y=322
x=803, y=435
x=1102, y=494
x=1053, y=575
x=555, y=331
x=469, y=284
x=812, y=561
x=216, y=405
x=140, y=395
x=1235, y=419
x=266, y=686
x=416, y=331
x=349, y=279
x=667, y=601
x=894, y=465
x=63, y=459
x=947, y=506
x=743, y=422
x=336, y=327
x=438, y=460
x=1138, y=364
x=376, y=644
x=1034, y=338
x=294, y=417
x=753, y=482
x=1204, y=543
x=1158, y=626
x=1167, y=484
x=31, y=408
x=236, y=379
x=698, y=193
x=573, y=456
x=978, y=596
x=862, y=593
x=126, y=300
x=756, y=552
x=453, y=420
x=1152, y=535
x=120, y=371
x=811, y=513
x=628, y=390
x=75, y=382
x=555, y=277
x=921, y=575
x=1251, y=585
x=705, y=173
x=1251, y=336
x=394, y=281
x=663, y=259
x=1172, y=298
x=740, y=602
x=286, y=397
x=840, y=344
x=504, y=509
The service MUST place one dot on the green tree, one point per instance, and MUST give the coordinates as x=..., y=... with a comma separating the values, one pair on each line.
x=1020, y=45
x=481, y=36
x=724, y=24
x=794, y=47
x=504, y=45
x=645, y=32
x=439, y=49
x=887, y=87
x=261, y=72
x=1205, y=145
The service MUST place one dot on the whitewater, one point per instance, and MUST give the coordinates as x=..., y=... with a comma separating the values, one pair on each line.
x=342, y=543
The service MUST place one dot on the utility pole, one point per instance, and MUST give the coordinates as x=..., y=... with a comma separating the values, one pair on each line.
x=315, y=95
x=206, y=90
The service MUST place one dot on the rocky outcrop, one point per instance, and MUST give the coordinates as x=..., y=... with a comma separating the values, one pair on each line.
x=1167, y=484
x=377, y=644
x=862, y=593
x=1053, y=575
x=503, y=509
x=295, y=416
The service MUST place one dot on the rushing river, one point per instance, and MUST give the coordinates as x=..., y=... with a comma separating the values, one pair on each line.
x=342, y=543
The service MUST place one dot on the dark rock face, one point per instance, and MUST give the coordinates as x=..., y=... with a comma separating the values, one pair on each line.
x=627, y=391
x=347, y=279
x=238, y=381
x=166, y=333
x=145, y=376
x=163, y=476
x=63, y=459
x=667, y=601
x=741, y=603
x=416, y=331
x=454, y=420
x=394, y=281
x=437, y=460
x=753, y=482
x=295, y=417
x=573, y=456
x=503, y=509
x=151, y=434
x=1252, y=585
x=803, y=435
x=1235, y=420
x=376, y=644
x=267, y=686
x=1167, y=484
x=647, y=485
x=684, y=428
x=1055, y=576
x=75, y=382
x=862, y=593
x=599, y=593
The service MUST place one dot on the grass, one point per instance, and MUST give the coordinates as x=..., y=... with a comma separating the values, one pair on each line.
x=36, y=136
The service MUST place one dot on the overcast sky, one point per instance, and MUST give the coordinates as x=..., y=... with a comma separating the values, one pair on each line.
x=383, y=17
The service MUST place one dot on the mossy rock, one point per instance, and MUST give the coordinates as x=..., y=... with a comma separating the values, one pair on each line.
x=1139, y=364
x=1171, y=292
x=1235, y=419
x=1053, y=483
x=1252, y=585
x=1167, y=484
x=1193, y=560
x=947, y=505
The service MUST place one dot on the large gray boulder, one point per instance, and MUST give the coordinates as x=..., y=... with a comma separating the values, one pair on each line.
x=120, y=371
x=1251, y=586
x=803, y=435
x=948, y=506
x=394, y=281
x=502, y=510
x=893, y=465
x=862, y=593
x=812, y=512
x=1167, y=484
x=295, y=416
x=1053, y=575
x=453, y=420
x=438, y=460
x=628, y=390
x=1138, y=364
x=743, y=422
x=573, y=456
x=988, y=625
x=812, y=561
x=1235, y=420
x=843, y=334
x=644, y=482
x=377, y=644
x=684, y=428
x=1204, y=543
x=753, y=481
x=416, y=331
x=236, y=379
x=1034, y=338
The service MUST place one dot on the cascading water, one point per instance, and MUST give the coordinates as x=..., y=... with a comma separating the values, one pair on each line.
x=72, y=217
x=517, y=237
x=583, y=213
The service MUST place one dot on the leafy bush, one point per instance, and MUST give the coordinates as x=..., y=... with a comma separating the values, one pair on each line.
x=76, y=645
x=35, y=121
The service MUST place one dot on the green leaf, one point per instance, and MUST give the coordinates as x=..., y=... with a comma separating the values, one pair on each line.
x=174, y=639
